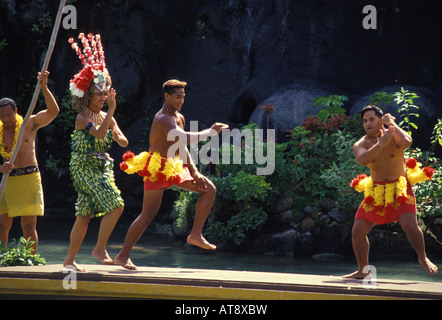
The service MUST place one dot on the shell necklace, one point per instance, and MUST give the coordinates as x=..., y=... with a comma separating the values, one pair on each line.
x=171, y=111
x=94, y=116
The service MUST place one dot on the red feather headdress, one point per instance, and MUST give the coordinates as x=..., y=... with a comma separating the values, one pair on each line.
x=92, y=57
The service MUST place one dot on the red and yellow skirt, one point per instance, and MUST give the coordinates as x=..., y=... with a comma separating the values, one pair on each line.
x=158, y=172
x=386, y=204
x=385, y=201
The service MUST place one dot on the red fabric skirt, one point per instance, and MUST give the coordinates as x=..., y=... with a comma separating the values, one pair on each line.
x=369, y=213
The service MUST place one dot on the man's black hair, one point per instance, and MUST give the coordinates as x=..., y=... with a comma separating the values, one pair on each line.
x=8, y=101
x=378, y=111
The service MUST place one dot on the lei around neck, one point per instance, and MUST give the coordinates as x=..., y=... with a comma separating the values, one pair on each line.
x=7, y=155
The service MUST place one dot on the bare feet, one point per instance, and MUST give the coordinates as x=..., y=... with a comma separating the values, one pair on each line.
x=429, y=266
x=125, y=263
x=200, y=242
x=74, y=267
x=103, y=257
x=358, y=275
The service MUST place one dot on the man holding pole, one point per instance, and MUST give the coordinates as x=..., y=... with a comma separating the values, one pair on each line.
x=23, y=194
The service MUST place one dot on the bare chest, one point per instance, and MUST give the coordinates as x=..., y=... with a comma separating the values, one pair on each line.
x=10, y=140
x=390, y=158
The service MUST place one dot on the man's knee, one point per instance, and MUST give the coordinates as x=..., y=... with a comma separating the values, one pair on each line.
x=4, y=228
x=361, y=229
x=211, y=188
x=5, y=223
x=357, y=233
x=409, y=223
x=28, y=224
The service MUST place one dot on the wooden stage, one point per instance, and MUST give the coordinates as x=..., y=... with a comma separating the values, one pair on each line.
x=50, y=282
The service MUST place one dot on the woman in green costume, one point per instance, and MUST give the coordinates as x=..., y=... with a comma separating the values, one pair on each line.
x=91, y=167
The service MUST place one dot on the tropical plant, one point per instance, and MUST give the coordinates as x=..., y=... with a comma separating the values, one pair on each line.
x=268, y=109
x=330, y=105
x=19, y=254
x=404, y=100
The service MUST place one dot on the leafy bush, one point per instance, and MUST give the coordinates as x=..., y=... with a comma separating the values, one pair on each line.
x=343, y=168
x=236, y=228
x=19, y=254
x=428, y=194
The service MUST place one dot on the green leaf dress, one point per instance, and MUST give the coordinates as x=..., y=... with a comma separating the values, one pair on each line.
x=91, y=170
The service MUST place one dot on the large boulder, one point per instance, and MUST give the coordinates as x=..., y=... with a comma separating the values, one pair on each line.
x=281, y=244
x=335, y=238
x=293, y=103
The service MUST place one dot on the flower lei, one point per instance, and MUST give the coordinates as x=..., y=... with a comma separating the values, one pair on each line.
x=384, y=195
x=148, y=165
x=7, y=155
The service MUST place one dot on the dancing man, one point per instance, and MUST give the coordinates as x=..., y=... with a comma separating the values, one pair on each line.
x=23, y=193
x=388, y=196
x=162, y=170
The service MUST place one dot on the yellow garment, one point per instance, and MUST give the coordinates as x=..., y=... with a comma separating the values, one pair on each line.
x=23, y=196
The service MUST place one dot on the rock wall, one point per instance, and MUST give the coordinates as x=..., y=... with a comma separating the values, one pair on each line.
x=235, y=55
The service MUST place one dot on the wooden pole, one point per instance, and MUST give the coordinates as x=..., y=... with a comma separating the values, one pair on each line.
x=36, y=93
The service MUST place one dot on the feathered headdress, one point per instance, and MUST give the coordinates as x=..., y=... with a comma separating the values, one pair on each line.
x=92, y=57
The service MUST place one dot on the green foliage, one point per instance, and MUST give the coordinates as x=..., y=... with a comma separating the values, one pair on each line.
x=248, y=219
x=404, y=99
x=43, y=22
x=343, y=168
x=381, y=99
x=3, y=44
x=428, y=194
x=19, y=254
x=246, y=186
x=330, y=105
x=241, y=193
x=52, y=164
x=204, y=27
x=437, y=133
x=318, y=152
x=184, y=209
x=240, y=197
